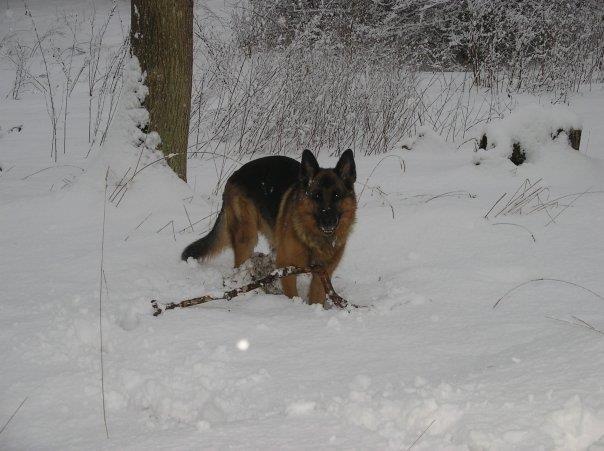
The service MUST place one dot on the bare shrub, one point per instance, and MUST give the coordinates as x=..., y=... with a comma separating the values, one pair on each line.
x=107, y=92
x=19, y=54
x=52, y=58
x=304, y=96
x=47, y=84
x=71, y=69
x=451, y=105
x=104, y=67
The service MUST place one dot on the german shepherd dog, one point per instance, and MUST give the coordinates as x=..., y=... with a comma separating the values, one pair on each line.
x=305, y=211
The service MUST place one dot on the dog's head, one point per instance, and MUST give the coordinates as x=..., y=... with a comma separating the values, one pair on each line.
x=329, y=193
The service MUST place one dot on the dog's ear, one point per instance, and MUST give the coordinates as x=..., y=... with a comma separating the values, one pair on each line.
x=346, y=169
x=308, y=168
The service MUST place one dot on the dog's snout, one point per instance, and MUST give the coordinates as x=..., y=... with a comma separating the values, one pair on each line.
x=328, y=219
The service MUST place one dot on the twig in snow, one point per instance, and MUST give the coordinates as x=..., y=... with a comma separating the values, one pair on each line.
x=13, y=415
x=167, y=224
x=166, y=157
x=117, y=204
x=524, y=195
x=586, y=324
x=101, y=277
x=517, y=225
x=53, y=167
x=532, y=197
x=119, y=186
x=188, y=218
x=491, y=209
x=545, y=279
x=383, y=195
x=278, y=273
x=452, y=193
x=421, y=435
x=580, y=323
x=198, y=221
x=140, y=224
x=401, y=164
x=122, y=186
x=570, y=203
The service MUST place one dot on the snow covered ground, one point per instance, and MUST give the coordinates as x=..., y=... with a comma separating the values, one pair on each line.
x=430, y=364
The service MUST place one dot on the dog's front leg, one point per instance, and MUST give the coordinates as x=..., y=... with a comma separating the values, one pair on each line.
x=316, y=293
x=290, y=253
x=290, y=286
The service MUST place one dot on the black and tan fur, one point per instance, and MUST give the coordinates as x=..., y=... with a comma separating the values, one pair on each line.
x=305, y=211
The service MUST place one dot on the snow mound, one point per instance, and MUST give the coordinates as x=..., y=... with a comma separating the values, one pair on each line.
x=426, y=140
x=400, y=419
x=130, y=157
x=532, y=126
x=575, y=426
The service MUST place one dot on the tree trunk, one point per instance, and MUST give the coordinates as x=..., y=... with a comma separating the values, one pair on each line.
x=161, y=37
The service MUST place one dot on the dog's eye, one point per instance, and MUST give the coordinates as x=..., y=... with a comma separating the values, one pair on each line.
x=317, y=195
x=336, y=196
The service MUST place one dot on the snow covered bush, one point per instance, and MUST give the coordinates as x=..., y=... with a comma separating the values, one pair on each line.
x=308, y=95
x=535, y=45
x=314, y=94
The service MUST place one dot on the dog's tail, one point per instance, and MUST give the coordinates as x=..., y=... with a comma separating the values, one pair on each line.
x=212, y=243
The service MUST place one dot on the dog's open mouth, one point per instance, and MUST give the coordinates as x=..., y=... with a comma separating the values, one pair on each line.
x=328, y=230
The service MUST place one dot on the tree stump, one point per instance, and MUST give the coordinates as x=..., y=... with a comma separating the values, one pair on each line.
x=574, y=137
x=518, y=154
x=483, y=142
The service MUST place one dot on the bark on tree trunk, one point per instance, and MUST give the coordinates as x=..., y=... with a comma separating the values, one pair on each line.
x=161, y=38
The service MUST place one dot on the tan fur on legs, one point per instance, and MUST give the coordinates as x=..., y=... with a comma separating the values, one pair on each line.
x=316, y=294
x=289, y=249
x=243, y=219
x=290, y=252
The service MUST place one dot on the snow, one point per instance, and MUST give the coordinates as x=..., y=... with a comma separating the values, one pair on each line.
x=430, y=359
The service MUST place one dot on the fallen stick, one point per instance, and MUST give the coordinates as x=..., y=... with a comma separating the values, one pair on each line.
x=278, y=273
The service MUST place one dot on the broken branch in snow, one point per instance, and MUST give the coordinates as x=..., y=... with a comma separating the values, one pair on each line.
x=278, y=273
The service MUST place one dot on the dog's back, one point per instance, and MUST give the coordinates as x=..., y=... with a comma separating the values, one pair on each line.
x=251, y=199
x=264, y=181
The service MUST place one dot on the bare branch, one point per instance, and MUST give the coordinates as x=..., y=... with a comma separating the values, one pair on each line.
x=278, y=273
